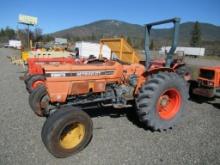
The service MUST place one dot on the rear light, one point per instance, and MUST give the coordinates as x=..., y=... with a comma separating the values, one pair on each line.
x=210, y=83
x=206, y=83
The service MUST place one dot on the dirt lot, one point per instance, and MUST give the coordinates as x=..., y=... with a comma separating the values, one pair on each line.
x=201, y=62
x=116, y=140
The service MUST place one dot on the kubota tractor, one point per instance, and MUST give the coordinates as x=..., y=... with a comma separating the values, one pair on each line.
x=156, y=93
x=34, y=75
x=208, y=82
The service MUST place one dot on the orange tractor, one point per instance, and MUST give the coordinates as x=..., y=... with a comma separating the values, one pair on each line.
x=208, y=82
x=34, y=75
x=155, y=91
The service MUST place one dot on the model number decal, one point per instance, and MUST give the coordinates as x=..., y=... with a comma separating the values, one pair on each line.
x=79, y=73
x=93, y=73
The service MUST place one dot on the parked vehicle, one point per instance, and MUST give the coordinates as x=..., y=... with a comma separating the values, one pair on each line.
x=88, y=49
x=14, y=44
x=157, y=93
x=187, y=51
x=208, y=82
x=35, y=74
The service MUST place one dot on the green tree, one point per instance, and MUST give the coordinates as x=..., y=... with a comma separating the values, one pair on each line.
x=196, y=35
x=142, y=42
x=47, y=38
x=76, y=38
x=37, y=36
x=2, y=32
x=68, y=37
x=151, y=45
x=93, y=37
x=10, y=33
x=7, y=34
x=129, y=40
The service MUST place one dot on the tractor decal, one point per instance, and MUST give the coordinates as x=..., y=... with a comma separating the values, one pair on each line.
x=79, y=73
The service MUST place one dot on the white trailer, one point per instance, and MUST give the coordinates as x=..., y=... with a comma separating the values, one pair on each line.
x=14, y=44
x=60, y=41
x=189, y=51
x=88, y=48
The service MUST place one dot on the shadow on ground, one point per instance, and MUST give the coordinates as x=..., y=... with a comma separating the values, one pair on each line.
x=200, y=99
x=129, y=113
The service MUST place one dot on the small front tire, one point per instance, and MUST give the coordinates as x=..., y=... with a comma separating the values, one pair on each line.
x=39, y=101
x=34, y=81
x=67, y=131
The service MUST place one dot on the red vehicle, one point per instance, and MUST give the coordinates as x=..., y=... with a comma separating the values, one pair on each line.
x=34, y=76
x=156, y=93
x=208, y=82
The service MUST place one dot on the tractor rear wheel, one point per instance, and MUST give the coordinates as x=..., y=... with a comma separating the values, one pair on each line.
x=35, y=81
x=39, y=101
x=66, y=132
x=161, y=100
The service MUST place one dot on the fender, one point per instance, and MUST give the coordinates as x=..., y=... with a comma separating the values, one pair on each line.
x=156, y=70
x=177, y=65
x=148, y=73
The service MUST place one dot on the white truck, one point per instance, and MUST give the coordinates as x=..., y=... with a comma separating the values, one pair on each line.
x=188, y=51
x=14, y=44
x=86, y=49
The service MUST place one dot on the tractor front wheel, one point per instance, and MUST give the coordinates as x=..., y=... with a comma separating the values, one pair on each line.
x=39, y=101
x=66, y=132
x=26, y=77
x=34, y=81
x=161, y=100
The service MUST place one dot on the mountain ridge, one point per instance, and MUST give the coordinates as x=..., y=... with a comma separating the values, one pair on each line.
x=113, y=28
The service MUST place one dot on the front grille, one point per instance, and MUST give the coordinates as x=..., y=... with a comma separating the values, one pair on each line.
x=207, y=74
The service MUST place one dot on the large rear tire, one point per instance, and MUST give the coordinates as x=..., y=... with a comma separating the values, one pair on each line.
x=34, y=81
x=161, y=101
x=66, y=132
x=39, y=100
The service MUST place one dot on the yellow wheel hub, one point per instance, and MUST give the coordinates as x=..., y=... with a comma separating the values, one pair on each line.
x=72, y=135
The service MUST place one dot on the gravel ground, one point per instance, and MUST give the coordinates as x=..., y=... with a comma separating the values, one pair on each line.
x=116, y=140
x=201, y=62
